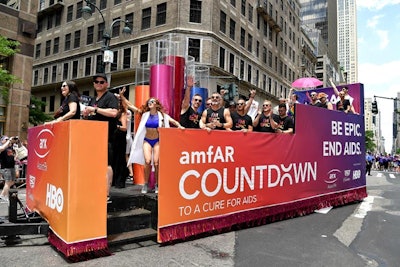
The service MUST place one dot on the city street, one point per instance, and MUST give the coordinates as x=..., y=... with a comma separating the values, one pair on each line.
x=361, y=234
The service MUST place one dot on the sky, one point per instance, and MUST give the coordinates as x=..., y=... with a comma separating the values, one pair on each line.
x=378, y=30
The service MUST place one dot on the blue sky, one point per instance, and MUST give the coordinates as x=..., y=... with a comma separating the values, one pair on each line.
x=378, y=25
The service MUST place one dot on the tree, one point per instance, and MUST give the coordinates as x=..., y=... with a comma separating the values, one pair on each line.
x=8, y=48
x=369, y=141
x=36, y=114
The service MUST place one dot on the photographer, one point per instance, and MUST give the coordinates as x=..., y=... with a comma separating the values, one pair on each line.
x=7, y=165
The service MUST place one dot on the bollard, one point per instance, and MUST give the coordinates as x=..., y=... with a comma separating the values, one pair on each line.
x=12, y=207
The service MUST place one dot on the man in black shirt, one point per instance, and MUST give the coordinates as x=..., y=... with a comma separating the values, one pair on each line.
x=190, y=116
x=241, y=121
x=104, y=108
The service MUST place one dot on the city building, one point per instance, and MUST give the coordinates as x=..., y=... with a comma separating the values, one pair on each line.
x=347, y=39
x=18, y=23
x=253, y=44
x=321, y=27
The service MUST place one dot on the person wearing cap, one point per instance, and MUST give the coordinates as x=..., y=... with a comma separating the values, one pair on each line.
x=190, y=116
x=7, y=163
x=232, y=106
x=104, y=107
x=216, y=117
x=324, y=103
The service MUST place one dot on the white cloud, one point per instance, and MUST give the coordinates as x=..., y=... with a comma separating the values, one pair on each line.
x=376, y=4
x=383, y=39
x=373, y=22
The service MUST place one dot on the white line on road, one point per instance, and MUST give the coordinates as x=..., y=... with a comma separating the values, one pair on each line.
x=379, y=174
x=391, y=175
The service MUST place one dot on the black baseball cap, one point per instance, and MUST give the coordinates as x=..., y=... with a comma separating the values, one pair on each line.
x=101, y=75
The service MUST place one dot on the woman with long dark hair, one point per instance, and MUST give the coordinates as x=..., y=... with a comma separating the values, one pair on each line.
x=70, y=107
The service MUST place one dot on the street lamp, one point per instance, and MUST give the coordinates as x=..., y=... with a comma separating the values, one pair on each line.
x=108, y=55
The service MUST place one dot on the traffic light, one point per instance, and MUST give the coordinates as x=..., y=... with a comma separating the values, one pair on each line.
x=374, y=107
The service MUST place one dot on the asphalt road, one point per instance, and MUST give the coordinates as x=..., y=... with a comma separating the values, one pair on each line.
x=362, y=234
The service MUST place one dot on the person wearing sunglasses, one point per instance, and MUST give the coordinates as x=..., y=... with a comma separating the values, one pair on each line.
x=190, y=116
x=216, y=117
x=145, y=148
x=266, y=121
x=241, y=121
x=345, y=91
x=104, y=107
x=70, y=106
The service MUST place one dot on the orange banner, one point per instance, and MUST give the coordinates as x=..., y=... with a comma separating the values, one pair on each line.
x=66, y=178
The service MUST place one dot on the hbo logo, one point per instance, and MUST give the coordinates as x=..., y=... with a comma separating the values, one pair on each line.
x=54, y=198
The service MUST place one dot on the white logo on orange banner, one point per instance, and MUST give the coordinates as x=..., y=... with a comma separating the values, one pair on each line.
x=32, y=180
x=54, y=198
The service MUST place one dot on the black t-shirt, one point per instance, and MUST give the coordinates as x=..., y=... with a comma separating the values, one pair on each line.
x=240, y=122
x=108, y=100
x=213, y=115
x=342, y=106
x=190, y=119
x=65, y=108
x=7, y=158
x=285, y=123
x=264, y=123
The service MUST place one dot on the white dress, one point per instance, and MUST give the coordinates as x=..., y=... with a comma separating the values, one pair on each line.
x=129, y=139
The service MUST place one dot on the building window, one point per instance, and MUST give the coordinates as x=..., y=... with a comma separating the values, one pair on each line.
x=103, y=4
x=70, y=12
x=126, y=64
x=40, y=25
x=251, y=13
x=222, y=22
x=232, y=26
x=100, y=32
x=222, y=57
x=56, y=45
x=257, y=49
x=144, y=53
x=195, y=11
x=242, y=37
x=46, y=76
x=116, y=2
x=88, y=66
x=270, y=59
x=54, y=74
x=90, y=35
x=231, y=63
x=99, y=64
x=116, y=28
x=79, y=10
x=52, y=102
x=65, y=71
x=74, y=69
x=146, y=18
x=241, y=74
x=129, y=19
x=58, y=18
x=50, y=22
x=249, y=70
x=37, y=52
x=67, y=45
x=114, y=65
x=243, y=7
x=161, y=14
x=194, y=49
x=43, y=99
x=233, y=3
x=35, y=77
x=249, y=43
x=77, y=39
x=264, y=55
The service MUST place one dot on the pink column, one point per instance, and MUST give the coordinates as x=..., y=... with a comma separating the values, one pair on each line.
x=161, y=78
x=178, y=83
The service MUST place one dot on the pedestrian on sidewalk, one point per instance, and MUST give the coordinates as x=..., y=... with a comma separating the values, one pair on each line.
x=7, y=162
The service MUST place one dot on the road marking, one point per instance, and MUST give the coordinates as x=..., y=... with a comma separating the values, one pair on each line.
x=352, y=225
x=392, y=176
x=379, y=174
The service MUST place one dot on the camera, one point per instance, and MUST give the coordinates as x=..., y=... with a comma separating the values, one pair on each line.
x=15, y=138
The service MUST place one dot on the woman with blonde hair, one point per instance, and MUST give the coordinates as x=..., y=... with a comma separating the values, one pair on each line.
x=145, y=148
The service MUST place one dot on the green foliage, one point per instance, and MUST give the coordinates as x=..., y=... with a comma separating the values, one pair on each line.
x=369, y=141
x=36, y=115
x=8, y=48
